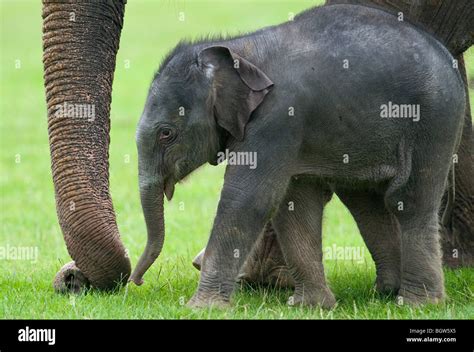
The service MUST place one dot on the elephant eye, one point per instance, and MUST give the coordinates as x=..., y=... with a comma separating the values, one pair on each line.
x=165, y=134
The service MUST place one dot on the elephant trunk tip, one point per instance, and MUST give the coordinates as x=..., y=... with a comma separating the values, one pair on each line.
x=136, y=280
x=70, y=279
x=146, y=260
x=137, y=276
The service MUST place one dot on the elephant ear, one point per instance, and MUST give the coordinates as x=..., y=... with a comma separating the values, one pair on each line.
x=239, y=87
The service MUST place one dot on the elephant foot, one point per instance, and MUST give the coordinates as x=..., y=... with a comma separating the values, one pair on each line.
x=70, y=279
x=321, y=297
x=386, y=285
x=211, y=301
x=406, y=297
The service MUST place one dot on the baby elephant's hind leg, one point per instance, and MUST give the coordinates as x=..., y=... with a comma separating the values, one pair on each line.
x=422, y=279
x=415, y=204
x=379, y=229
x=298, y=227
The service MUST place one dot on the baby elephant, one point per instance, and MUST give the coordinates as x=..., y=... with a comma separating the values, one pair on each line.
x=343, y=99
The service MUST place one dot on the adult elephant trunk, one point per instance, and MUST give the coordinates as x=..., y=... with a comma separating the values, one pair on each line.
x=80, y=43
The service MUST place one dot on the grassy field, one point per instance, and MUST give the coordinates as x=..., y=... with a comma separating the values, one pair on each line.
x=28, y=215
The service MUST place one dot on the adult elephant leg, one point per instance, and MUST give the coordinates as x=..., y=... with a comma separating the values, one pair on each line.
x=80, y=43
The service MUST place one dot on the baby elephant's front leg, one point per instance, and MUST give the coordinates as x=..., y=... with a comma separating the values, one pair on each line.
x=241, y=215
x=298, y=226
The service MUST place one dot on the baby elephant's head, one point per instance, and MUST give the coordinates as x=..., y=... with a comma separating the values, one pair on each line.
x=200, y=97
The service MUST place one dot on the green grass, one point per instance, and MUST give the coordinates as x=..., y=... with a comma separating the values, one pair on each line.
x=28, y=216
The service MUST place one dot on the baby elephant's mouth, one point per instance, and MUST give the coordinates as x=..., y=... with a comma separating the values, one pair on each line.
x=180, y=172
x=169, y=187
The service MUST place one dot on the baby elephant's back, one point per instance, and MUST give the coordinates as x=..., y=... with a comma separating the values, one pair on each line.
x=371, y=64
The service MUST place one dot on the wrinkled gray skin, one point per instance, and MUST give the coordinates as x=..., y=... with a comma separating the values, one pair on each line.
x=390, y=172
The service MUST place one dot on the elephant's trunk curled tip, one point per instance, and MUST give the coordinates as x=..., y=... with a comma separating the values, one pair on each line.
x=152, y=204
